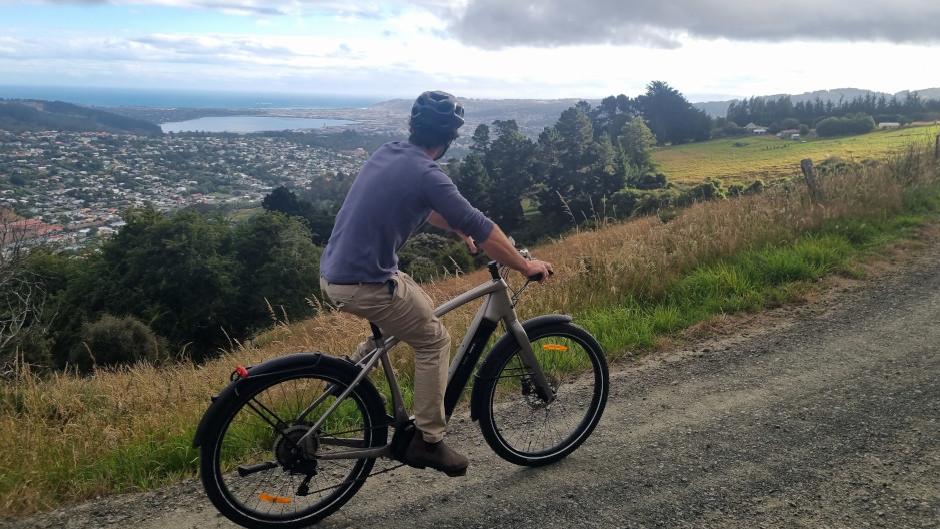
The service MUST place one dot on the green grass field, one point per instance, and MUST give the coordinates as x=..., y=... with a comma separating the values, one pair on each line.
x=743, y=160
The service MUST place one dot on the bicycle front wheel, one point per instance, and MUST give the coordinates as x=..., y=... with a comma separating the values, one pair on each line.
x=522, y=428
x=260, y=467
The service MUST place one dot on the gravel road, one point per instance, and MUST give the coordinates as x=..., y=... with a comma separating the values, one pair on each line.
x=824, y=415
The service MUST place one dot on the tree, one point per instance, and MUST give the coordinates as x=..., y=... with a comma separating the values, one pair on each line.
x=320, y=215
x=508, y=163
x=480, y=142
x=278, y=269
x=579, y=171
x=637, y=140
x=176, y=273
x=671, y=117
x=24, y=299
x=284, y=200
x=474, y=182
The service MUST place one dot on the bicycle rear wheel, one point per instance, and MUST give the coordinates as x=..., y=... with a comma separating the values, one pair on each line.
x=257, y=471
x=518, y=425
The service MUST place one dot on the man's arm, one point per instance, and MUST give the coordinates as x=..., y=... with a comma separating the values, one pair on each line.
x=453, y=210
x=499, y=247
x=435, y=219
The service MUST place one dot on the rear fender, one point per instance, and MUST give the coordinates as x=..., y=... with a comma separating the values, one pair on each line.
x=298, y=362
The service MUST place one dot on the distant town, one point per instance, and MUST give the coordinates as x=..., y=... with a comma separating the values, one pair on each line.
x=73, y=186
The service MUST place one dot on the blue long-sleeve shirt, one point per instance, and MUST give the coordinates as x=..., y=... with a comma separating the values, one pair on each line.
x=395, y=191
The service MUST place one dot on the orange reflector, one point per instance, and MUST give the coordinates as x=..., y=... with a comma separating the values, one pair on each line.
x=554, y=347
x=264, y=496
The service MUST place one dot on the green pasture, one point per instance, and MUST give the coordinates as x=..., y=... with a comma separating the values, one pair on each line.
x=768, y=158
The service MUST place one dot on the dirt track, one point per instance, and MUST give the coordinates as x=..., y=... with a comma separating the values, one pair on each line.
x=823, y=415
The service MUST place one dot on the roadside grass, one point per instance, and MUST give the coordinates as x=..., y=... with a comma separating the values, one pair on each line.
x=749, y=281
x=745, y=159
x=68, y=438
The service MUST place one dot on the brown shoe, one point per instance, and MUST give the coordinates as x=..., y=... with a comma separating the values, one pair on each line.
x=421, y=454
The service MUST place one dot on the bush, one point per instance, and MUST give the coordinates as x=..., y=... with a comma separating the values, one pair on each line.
x=426, y=256
x=835, y=165
x=850, y=124
x=652, y=201
x=113, y=341
x=755, y=187
x=648, y=180
x=707, y=190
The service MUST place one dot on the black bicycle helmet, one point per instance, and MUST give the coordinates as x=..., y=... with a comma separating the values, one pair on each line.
x=438, y=111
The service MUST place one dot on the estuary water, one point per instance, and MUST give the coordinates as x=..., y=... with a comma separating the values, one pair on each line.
x=244, y=124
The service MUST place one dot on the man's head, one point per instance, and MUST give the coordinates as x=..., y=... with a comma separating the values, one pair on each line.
x=435, y=118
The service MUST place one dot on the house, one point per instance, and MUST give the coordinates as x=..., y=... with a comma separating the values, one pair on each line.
x=759, y=131
x=795, y=136
x=889, y=125
x=789, y=133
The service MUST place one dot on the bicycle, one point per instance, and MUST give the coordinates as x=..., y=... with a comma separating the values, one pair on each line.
x=280, y=429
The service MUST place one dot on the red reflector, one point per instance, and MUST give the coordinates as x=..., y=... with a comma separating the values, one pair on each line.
x=242, y=372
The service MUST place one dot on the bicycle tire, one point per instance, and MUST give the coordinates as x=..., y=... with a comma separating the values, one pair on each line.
x=336, y=372
x=493, y=418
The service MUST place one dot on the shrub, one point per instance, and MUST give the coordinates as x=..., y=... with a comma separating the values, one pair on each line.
x=755, y=187
x=850, y=124
x=426, y=256
x=622, y=203
x=708, y=190
x=648, y=180
x=113, y=341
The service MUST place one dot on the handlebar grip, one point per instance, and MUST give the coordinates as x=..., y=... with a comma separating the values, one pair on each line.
x=539, y=276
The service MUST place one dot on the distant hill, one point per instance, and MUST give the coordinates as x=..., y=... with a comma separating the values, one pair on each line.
x=532, y=115
x=19, y=115
x=720, y=108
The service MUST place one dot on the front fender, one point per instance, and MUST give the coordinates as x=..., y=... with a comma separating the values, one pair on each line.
x=507, y=341
x=281, y=364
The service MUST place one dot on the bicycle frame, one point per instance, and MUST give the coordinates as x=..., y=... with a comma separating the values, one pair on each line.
x=497, y=306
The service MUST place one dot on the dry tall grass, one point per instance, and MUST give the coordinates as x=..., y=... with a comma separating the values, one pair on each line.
x=67, y=438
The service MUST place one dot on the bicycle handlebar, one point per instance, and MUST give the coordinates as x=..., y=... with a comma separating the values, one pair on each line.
x=540, y=276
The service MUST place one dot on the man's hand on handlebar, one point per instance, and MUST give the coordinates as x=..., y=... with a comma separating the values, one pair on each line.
x=538, y=270
x=500, y=248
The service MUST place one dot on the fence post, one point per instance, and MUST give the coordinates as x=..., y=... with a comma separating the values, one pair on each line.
x=809, y=172
x=936, y=149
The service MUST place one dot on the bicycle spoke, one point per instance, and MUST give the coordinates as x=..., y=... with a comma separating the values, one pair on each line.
x=522, y=419
x=267, y=457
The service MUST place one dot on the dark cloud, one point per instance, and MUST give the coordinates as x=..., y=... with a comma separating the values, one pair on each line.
x=658, y=23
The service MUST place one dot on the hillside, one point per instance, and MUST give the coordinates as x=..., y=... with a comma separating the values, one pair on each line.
x=532, y=115
x=632, y=284
x=768, y=158
x=720, y=108
x=20, y=115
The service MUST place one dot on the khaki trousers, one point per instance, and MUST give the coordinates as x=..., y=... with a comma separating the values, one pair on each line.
x=407, y=313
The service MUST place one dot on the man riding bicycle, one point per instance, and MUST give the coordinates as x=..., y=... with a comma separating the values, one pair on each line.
x=398, y=189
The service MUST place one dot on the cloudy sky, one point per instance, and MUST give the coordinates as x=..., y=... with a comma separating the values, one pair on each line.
x=709, y=49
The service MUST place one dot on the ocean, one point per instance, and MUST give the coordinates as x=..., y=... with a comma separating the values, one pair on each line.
x=243, y=124
x=125, y=97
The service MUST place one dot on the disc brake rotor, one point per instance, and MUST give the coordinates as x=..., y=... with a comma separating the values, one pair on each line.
x=294, y=455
